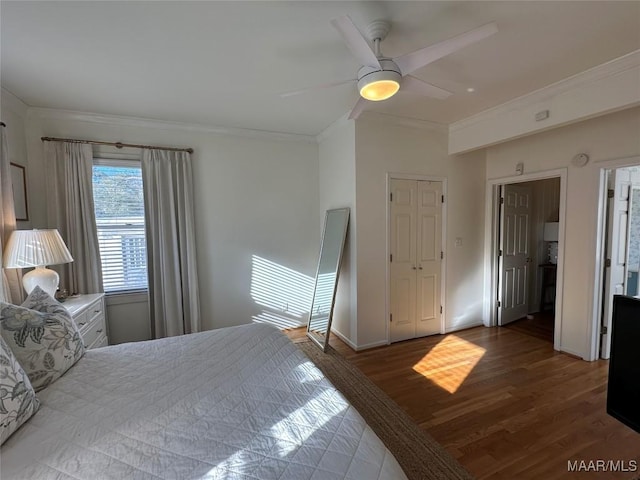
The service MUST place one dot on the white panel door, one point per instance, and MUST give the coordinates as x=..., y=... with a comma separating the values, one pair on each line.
x=515, y=258
x=415, y=263
x=617, y=223
x=429, y=257
x=403, y=260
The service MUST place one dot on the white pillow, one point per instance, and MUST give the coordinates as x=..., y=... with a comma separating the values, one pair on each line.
x=18, y=401
x=42, y=336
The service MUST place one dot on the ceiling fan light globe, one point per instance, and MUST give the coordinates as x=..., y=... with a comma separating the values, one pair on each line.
x=379, y=90
x=379, y=85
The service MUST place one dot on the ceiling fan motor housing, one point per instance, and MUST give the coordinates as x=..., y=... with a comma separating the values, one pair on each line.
x=389, y=71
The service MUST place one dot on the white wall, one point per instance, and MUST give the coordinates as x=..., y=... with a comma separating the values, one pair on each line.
x=13, y=113
x=128, y=318
x=382, y=147
x=604, y=139
x=253, y=197
x=337, y=168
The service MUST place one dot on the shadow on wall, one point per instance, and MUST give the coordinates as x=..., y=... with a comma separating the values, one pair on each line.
x=283, y=294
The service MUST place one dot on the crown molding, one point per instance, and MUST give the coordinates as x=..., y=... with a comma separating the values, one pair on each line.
x=404, y=121
x=382, y=118
x=141, y=122
x=13, y=103
x=599, y=72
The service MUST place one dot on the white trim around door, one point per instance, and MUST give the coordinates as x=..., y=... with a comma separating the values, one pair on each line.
x=593, y=327
x=492, y=240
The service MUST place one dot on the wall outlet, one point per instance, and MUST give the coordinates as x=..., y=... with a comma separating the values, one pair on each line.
x=458, y=242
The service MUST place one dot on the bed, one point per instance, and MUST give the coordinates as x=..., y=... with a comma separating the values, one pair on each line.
x=234, y=403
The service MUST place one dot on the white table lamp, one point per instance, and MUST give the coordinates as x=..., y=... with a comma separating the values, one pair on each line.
x=37, y=248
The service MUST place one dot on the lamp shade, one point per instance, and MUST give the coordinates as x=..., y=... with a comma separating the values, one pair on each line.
x=551, y=231
x=35, y=248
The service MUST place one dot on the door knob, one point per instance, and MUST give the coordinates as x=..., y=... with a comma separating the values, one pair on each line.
x=414, y=267
x=420, y=267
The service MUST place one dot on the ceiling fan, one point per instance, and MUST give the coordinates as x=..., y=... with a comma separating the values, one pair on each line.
x=381, y=77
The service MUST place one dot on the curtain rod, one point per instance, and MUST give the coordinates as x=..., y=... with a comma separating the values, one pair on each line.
x=116, y=144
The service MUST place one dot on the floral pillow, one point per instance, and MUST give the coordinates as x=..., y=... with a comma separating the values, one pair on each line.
x=42, y=336
x=17, y=399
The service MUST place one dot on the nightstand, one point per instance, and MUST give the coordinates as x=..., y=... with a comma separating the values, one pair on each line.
x=88, y=311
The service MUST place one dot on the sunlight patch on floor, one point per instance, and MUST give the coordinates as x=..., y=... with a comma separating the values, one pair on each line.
x=446, y=369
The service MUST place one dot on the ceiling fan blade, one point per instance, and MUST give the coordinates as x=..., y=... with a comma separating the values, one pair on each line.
x=415, y=85
x=358, y=108
x=418, y=59
x=356, y=42
x=317, y=87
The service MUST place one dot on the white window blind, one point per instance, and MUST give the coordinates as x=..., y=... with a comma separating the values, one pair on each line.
x=119, y=207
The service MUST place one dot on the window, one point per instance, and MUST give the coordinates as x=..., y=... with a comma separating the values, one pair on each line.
x=119, y=206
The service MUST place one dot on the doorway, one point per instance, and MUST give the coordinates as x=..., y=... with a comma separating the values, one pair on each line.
x=524, y=253
x=527, y=257
x=621, y=234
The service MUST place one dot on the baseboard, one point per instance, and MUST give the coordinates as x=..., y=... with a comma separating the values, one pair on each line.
x=366, y=346
x=355, y=347
x=464, y=326
x=381, y=343
x=573, y=354
x=344, y=339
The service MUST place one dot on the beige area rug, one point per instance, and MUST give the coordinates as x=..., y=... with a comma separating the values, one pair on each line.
x=420, y=456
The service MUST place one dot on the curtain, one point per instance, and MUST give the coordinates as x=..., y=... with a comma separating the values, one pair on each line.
x=171, y=252
x=69, y=171
x=11, y=278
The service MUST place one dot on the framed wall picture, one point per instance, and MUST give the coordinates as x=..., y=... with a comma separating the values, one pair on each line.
x=19, y=183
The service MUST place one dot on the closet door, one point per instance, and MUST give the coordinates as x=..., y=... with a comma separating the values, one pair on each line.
x=403, y=259
x=415, y=262
x=429, y=252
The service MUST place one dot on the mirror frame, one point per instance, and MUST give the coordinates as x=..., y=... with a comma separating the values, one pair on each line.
x=313, y=335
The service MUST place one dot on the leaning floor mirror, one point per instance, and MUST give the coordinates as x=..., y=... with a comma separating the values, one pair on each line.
x=324, y=295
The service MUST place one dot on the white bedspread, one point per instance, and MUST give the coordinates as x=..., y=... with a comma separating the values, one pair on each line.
x=234, y=403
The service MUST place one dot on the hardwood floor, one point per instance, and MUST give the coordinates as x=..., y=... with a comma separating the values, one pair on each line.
x=540, y=326
x=502, y=402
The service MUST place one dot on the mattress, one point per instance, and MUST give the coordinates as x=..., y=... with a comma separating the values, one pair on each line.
x=235, y=403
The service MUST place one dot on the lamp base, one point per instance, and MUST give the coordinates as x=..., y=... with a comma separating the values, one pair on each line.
x=41, y=277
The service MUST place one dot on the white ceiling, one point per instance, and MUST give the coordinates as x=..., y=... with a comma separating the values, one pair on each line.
x=225, y=63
